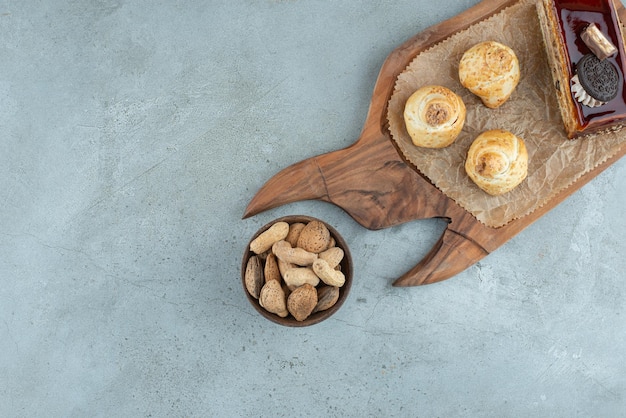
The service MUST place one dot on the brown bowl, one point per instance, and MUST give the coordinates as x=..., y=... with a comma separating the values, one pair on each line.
x=346, y=268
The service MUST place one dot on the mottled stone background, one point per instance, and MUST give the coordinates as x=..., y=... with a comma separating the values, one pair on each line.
x=132, y=136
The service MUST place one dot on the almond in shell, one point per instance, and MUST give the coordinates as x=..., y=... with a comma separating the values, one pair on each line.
x=302, y=301
x=327, y=296
x=271, y=269
x=314, y=237
x=273, y=298
x=254, y=276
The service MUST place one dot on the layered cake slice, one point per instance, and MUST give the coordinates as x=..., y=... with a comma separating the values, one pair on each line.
x=585, y=49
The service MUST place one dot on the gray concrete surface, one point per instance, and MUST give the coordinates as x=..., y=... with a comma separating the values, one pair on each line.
x=133, y=135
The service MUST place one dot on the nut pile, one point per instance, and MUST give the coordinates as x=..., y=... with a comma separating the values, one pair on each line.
x=295, y=269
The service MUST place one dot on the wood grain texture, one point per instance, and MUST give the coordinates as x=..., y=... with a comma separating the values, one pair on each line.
x=376, y=186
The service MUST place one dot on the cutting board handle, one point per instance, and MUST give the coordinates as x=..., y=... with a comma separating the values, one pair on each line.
x=369, y=180
x=452, y=254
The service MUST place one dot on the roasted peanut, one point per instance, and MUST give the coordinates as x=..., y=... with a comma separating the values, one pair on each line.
x=327, y=274
x=298, y=276
x=283, y=266
x=254, y=276
x=302, y=301
x=267, y=238
x=333, y=256
x=283, y=250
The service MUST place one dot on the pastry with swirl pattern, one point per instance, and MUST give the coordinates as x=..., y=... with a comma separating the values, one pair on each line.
x=491, y=71
x=497, y=161
x=434, y=116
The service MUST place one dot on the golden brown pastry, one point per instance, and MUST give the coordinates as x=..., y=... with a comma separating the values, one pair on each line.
x=491, y=71
x=434, y=116
x=497, y=161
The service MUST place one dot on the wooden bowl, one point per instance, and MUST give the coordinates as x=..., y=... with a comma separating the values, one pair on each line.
x=346, y=268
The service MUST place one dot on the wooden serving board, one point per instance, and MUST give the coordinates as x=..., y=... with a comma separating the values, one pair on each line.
x=375, y=185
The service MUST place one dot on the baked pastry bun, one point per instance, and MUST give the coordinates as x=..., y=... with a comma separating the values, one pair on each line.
x=434, y=116
x=497, y=161
x=491, y=71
